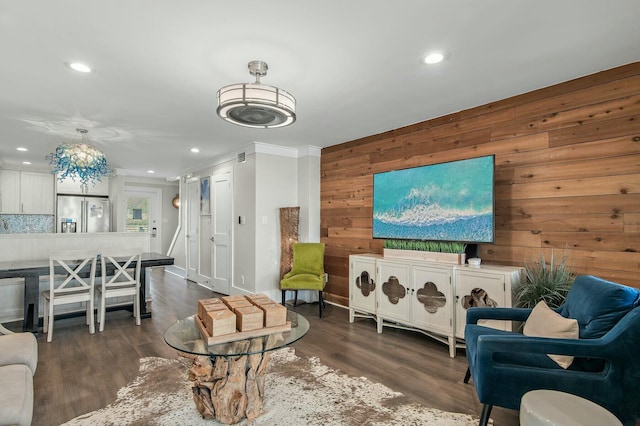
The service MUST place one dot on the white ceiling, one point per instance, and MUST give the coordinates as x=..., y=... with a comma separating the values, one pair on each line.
x=355, y=67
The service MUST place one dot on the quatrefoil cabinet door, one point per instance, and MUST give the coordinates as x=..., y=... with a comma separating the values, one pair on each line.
x=432, y=299
x=481, y=289
x=393, y=294
x=362, y=284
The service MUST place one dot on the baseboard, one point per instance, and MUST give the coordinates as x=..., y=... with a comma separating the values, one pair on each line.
x=337, y=305
x=176, y=270
x=11, y=316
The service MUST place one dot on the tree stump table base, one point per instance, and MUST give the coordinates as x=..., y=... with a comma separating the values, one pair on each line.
x=231, y=388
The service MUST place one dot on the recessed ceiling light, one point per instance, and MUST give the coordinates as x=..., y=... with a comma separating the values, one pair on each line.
x=80, y=67
x=196, y=150
x=21, y=148
x=26, y=162
x=150, y=171
x=433, y=58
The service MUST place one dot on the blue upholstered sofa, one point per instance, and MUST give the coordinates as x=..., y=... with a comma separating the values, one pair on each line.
x=606, y=368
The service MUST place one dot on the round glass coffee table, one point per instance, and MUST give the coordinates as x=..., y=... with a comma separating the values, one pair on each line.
x=228, y=378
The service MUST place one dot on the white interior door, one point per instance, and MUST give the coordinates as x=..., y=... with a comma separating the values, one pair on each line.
x=193, y=223
x=221, y=200
x=144, y=214
x=205, y=263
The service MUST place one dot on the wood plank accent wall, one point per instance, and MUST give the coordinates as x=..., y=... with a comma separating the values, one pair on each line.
x=567, y=175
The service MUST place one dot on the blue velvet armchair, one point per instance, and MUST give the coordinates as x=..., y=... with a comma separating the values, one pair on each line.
x=606, y=368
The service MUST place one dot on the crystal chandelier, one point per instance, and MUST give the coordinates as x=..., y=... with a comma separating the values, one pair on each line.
x=256, y=105
x=79, y=161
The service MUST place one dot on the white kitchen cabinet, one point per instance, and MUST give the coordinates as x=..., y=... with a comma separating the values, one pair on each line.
x=69, y=186
x=362, y=286
x=9, y=191
x=26, y=192
x=428, y=297
x=36, y=193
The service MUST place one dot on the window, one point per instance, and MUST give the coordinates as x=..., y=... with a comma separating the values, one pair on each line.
x=137, y=214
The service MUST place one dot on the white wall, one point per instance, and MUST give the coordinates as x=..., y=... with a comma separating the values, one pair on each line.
x=309, y=194
x=244, y=235
x=39, y=246
x=276, y=187
x=118, y=207
x=309, y=201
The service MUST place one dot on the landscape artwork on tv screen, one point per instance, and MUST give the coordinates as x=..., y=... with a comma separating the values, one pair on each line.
x=441, y=202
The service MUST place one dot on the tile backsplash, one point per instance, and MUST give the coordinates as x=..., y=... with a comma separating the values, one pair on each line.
x=26, y=223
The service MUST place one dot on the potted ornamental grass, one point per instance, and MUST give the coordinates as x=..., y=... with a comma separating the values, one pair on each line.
x=544, y=281
x=431, y=251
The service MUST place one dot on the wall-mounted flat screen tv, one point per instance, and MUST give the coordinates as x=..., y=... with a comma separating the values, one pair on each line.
x=441, y=202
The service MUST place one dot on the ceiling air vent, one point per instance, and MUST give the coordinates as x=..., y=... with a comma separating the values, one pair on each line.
x=242, y=158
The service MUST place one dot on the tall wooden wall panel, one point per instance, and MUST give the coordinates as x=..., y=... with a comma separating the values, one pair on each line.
x=567, y=176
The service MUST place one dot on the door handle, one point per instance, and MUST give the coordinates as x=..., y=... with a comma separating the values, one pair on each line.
x=212, y=239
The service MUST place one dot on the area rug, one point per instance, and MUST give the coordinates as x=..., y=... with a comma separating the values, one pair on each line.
x=299, y=391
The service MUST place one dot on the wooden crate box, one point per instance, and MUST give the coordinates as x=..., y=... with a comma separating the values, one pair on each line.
x=249, y=318
x=206, y=305
x=274, y=314
x=219, y=323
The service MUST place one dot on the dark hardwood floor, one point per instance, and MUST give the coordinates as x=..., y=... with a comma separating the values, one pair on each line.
x=79, y=372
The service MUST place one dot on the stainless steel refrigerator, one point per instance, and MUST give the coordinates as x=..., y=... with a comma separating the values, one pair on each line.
x=77, y=214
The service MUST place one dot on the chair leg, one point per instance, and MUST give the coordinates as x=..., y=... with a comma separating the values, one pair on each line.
x=101, y=313
x=320, y=301
x=284, y=296
x=484, y=417
x=45, y=315
x=51, y=321
x=91, y=315
x=467, y=375
x=136, y=307
x=295, y=298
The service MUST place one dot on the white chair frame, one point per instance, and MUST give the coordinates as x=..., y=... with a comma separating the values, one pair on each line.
x=124, y=282
x=73, y=289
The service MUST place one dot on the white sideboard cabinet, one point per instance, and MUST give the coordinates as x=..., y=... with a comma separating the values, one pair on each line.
x=428, y=297
x=24, y=192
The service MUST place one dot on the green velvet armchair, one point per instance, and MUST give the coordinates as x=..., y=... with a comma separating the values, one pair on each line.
x=307, y=271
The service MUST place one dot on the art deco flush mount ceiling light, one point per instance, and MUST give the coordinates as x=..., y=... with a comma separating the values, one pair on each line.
x=256, y=105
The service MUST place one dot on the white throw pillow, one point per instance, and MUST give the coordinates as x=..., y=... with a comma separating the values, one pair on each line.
x=545, y=322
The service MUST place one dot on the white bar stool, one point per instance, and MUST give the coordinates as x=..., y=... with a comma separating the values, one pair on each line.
x=553, y=408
